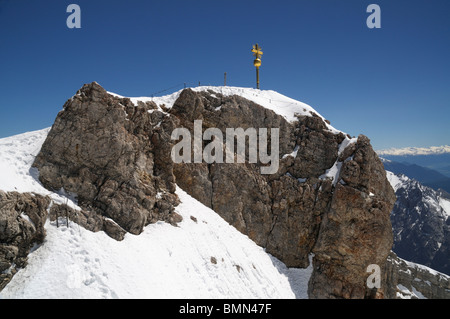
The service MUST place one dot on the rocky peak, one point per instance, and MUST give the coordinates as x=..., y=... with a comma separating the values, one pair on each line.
x=330, y=196
x=113, y=156
x=421, y=224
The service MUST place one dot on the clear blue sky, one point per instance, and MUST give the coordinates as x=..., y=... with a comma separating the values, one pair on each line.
x=391, y=84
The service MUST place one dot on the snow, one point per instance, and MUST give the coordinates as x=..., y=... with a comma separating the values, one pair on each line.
x=167, y=100
x=269, y=99
x=417, y=293
x=162, y=262
x=425, y=268
x=435, y=201
x=445, y=204
x=334, y=172
x=17, y=154
x=405, y=293
x=293, y=154
x=345, y=143
x=433, y=150
x=280, y=104
x=396, y=181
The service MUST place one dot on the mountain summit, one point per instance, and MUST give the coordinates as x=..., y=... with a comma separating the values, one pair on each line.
x=328, y=203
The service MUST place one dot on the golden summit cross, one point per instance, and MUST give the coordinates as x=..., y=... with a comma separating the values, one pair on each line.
x=257, y=63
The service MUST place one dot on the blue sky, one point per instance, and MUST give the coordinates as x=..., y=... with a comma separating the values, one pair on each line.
x=391, y=84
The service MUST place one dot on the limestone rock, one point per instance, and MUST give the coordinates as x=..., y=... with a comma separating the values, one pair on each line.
x=114, y=156
x=90, y=221
x=356, y=231
x=408, y=280
x=295, y=212
x=22, y=219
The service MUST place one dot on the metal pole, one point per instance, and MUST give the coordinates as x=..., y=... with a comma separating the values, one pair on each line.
x=225, y=79
x=257, y=78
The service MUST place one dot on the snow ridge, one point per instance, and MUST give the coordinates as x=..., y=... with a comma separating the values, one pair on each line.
x=279, y=103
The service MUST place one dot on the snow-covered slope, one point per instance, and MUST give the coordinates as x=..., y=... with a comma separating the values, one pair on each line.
x=17, y=154
x=269, y=99
x=202, y=258
x=431, y=198
x=420, y=221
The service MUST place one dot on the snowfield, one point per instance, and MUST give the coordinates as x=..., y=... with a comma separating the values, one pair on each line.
x=204, y=257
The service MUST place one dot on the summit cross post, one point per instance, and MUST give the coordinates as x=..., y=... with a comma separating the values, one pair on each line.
x=257, y=62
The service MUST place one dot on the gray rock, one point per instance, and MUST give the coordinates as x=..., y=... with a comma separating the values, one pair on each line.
x=88, y=220
x=114, y=156
x=408, y=280
x=294, y=213
x=22, y=219
x=356, y=231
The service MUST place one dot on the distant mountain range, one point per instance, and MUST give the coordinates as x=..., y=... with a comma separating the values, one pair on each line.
x=435, y=158
x=414, y=151
x=421, y=216
x=427, y=176
x=420, y=223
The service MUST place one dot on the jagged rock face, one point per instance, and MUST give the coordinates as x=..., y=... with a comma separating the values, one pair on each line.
x=22, y=219
x=294, y=212
x=356, y=231
x=408, y=280
x=116, y=158
x=277, y=211
x=421, y=226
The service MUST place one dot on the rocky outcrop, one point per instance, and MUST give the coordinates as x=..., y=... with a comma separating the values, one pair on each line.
x=356, y=231
x=297, y=211
x=413, y=281
x=329, y=197
x=114, y=156
x=22, y=219
x=91, y=222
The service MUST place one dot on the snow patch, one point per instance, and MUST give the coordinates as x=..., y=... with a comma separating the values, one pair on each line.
x=445, y=204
